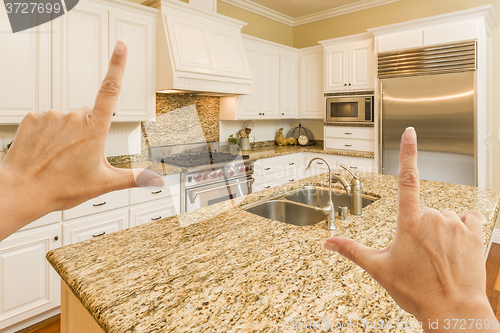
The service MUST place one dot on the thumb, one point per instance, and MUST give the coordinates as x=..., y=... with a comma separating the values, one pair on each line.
x=361, y=255
x=127, y=178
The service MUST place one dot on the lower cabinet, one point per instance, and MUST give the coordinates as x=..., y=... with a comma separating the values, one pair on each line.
x=153, y=211
x=95, y=226
x=28, y=283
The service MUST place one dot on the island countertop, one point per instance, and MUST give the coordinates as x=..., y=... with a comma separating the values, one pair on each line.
x=220, y=268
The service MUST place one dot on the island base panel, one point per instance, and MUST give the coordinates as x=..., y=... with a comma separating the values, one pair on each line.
x=74, y=317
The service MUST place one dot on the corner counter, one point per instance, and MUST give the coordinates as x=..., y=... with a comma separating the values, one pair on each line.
x=220, y=268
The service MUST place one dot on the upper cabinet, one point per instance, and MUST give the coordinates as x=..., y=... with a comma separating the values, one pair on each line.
x=199, y=50
x=349, y=63
x=83, y=42
x=312, y=101
x=275, y=73
x=25, y=71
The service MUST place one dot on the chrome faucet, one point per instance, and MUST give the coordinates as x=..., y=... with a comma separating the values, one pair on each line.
x=353, y=191
x=329, y=210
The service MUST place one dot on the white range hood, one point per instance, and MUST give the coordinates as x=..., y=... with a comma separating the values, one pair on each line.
x=199, y=51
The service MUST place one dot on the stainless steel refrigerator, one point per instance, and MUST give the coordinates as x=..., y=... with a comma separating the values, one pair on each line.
x=441, y=108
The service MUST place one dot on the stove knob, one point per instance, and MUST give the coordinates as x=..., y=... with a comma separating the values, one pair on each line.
x=204, y=176
x=220, y=173
x=241, y=169
x=247, y=168
x=214, y=174
x=231, y=173
x=197, y=178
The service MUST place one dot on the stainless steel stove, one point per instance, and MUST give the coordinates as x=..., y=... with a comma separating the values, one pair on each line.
x=214, y=172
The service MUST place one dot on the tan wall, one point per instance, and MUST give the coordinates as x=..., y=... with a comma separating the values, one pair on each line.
x=258, y=26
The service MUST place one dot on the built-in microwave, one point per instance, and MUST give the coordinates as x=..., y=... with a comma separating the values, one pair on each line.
x=349, y=108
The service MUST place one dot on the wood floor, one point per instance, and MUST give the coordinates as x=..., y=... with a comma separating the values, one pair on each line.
x=52, y=325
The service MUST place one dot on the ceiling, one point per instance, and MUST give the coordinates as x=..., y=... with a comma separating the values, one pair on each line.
x=299, y=8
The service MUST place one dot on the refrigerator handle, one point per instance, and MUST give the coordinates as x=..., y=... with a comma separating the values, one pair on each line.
x=380, y=138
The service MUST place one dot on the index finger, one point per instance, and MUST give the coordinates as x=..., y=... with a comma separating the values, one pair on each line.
x=408, y=181
x=107, y=96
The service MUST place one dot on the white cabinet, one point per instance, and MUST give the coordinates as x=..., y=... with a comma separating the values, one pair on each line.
x=279, y=170
x=138, y=94
x=153, y=211
x=28, y=283
x=275, y=74
x=289, y=85
x=400, y=40
x=349, y=63
x=312, y=101
x=349, y=138
x=95, y=226
x=105, y=202
x=83, y=42
x=25, y=71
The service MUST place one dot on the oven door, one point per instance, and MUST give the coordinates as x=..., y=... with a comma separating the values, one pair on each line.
x=345, y=109
x=210, y=194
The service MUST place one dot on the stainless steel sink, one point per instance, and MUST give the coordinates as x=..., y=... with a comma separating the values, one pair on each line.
x=288, y=212
x=317, y=196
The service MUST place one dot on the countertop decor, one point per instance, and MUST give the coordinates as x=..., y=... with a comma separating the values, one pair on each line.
x=220, y=268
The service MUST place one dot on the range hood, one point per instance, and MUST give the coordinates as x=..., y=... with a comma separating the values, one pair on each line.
x=198, y=51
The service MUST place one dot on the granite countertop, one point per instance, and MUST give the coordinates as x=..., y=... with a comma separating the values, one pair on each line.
x=257, y=153
x=221, y=269
x=271, y=151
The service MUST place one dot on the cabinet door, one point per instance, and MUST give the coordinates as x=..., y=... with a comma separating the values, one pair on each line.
x=312, y=102
x=361, y=64
x=153, y=211
x=289, y=86
x=248, y=106
x=336, y=68
x=28, y=284
x=80, y=45
x=232, y=59
x=270, y=84
x=25, y=71
x=95, y=226
x=137, y=100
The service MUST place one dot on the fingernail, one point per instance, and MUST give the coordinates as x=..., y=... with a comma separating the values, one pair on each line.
x=410, y=135
x=120, y=47
x=330, y=244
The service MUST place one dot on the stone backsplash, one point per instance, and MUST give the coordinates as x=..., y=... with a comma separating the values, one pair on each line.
x=180, y=119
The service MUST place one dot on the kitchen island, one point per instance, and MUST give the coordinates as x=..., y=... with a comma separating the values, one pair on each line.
x=220, y=268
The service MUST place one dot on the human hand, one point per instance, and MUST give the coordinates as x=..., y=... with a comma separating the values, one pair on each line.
x=57, y=160
x=434, y=267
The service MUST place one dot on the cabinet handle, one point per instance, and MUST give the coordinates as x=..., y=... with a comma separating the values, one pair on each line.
x=56, y=238
x=291, y=180
x=320, y=163
x=352, y=167
x=156, y=218
x=102, y=233
x=347, y=133
x=156, y=192
x=348, y=145
x=267, y=186
x=99, y=204
x=267, y=169
x=291, y=163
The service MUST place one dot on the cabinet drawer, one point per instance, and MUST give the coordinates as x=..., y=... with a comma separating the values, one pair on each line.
x=346, y=144
x=364, y=133
x=50, y=218
x=357, y=163
x=95, y=226
x=261, y=184
x=153, y=211
x=274, y=164
x=171, y=188
x=100, y=204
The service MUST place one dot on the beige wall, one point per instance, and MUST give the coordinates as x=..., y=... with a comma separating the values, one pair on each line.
x=258, y=26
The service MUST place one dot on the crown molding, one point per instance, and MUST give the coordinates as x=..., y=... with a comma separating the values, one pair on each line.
x=261, y=10
x=258, y=9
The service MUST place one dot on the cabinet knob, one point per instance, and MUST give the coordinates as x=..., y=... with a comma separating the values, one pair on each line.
x=350, y=84
x=114, y=114
x=345, y=84
x=56, y=238
x=282, y=114
x=262, y=113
